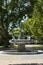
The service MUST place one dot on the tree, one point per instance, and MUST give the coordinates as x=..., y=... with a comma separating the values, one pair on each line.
x=11, y=11
x=25, y=27
x=4, y=22
x=36, y=22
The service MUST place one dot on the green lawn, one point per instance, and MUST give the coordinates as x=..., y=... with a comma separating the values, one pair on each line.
x=1, y=46
x=40, y=46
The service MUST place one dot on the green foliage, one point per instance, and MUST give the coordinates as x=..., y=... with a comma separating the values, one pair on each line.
x=15, y=32
x=10, y=12
x=25, y=26
x=14, y=11
x=35, y=41
x=36, y=22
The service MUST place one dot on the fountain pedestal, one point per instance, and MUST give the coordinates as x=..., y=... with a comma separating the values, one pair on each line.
x=21, y=47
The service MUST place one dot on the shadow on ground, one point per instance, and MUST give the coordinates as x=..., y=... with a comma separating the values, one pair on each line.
x=27, y=64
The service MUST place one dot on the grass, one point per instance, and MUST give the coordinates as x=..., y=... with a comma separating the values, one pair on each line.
x=15, y=46
x=40, y=46
x=1, y=46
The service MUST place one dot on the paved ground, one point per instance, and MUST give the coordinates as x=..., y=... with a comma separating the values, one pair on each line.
x=6, y=59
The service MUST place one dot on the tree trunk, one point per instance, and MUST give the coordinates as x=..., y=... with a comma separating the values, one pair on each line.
x=6, y=40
